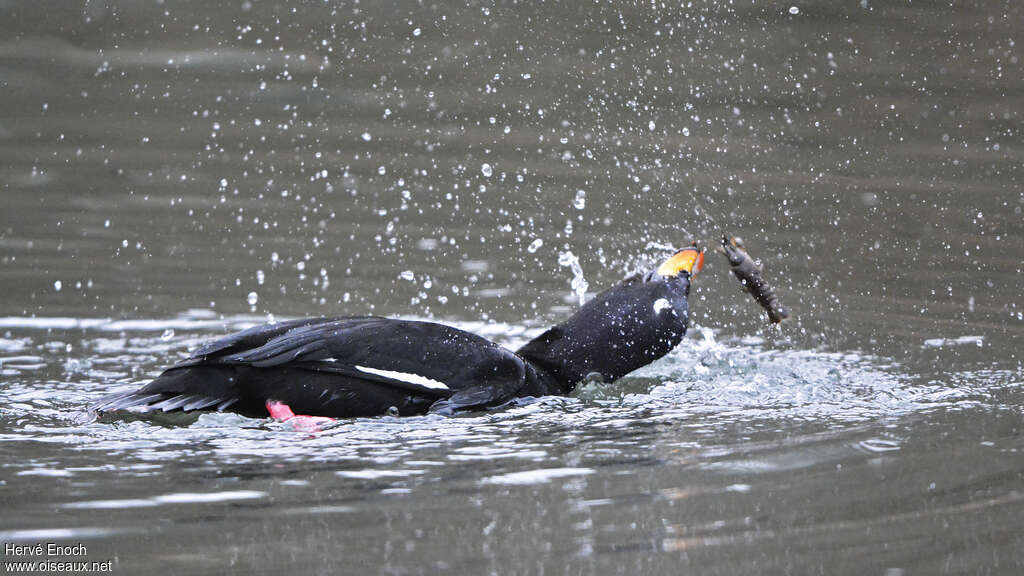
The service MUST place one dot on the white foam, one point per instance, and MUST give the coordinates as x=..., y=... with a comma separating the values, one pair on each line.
x=200, y=320
x=405, y=377
x=961, y=341
x=20, y=359
x=536, y=476
x=110, y=325
x=111, y=504
x=205, y=497
x=44, y=534
x=370, y=474
x=54, y=473
x=175, y=498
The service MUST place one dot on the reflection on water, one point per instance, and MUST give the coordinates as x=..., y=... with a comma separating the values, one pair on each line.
x=170, y=171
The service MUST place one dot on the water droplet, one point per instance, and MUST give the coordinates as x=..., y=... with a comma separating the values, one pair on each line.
x=407, y=275
x=57, y=285
x=651, y=125
x=486, y=170
x=252, y=298
x=794, y=10
x=260, y=277
x=366, y=137
x=535, y=245
x=580, y=201
x=417, y=32
x=167, y=335
x=579, y=284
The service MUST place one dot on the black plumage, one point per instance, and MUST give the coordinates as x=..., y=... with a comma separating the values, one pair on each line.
x=364, y=366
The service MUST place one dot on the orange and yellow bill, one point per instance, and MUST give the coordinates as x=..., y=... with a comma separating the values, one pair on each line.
x=690, y=260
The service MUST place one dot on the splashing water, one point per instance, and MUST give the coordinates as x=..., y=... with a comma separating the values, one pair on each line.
x=580, y=201
x=719, y=417
x=705, y=382
x=579, y=283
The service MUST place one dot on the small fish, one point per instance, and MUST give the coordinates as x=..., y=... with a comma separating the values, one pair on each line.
x=749, y=273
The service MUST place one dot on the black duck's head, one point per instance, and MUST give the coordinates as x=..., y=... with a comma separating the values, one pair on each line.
x=627, y=326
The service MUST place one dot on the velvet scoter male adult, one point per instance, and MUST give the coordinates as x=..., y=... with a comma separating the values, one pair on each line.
x=365, y=366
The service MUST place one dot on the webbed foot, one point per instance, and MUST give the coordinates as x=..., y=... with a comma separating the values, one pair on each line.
x=301, y=423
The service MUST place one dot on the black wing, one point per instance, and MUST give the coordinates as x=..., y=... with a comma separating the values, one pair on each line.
x=344, y=366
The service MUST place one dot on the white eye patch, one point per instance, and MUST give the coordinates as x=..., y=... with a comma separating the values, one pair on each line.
x=661, y=304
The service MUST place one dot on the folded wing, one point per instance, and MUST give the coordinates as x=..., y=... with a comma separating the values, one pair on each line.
x=332, y=367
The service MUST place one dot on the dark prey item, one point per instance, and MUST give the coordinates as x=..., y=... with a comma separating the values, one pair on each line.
x=749, y=273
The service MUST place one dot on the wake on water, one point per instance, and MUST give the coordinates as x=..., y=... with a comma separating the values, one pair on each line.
x=55, y=366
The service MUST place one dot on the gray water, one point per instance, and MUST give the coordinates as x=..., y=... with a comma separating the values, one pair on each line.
x=172, y=171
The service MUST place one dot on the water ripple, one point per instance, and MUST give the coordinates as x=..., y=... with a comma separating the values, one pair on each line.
x=705, y=385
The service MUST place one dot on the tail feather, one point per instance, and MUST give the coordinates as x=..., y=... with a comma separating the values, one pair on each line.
x=140, y=402
x=201, y=403
x=130, y=400
x=175, y=402
x=186, y=389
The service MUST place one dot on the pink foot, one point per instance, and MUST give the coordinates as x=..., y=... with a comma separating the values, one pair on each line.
x=281, y=412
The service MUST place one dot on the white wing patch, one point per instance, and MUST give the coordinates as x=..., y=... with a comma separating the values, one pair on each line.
x=660, y=304
x=407, y=377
